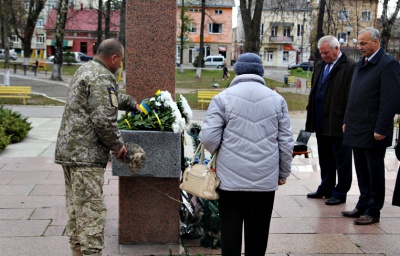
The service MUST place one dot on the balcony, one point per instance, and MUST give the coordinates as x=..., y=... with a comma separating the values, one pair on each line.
x=281, y=39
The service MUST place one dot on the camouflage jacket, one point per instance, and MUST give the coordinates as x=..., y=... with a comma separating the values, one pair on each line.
x=89, y=128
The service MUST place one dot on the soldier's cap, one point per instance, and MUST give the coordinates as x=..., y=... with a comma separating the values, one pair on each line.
x=135, y=157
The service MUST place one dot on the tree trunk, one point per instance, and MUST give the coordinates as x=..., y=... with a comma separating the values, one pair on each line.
x=107, y=20
x=201, y=53
x=122, y=23
x=251, y=25
x=99, y=24
x=182, y=36
x=387, y=23
x=62, y=11
x=320, y=33
x=4, y=19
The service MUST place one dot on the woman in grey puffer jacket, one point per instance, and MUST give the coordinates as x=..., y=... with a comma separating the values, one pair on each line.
x=249, y=124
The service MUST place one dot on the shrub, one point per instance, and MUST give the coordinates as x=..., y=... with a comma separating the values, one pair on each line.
x=196, y=61
x=15, y=126
x=4, y=139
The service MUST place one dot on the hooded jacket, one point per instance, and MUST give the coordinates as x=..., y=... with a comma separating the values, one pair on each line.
x=249, y=124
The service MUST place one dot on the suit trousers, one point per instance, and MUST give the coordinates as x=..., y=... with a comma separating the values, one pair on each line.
x=252, y=210
x=334, y=157
x=370, y=169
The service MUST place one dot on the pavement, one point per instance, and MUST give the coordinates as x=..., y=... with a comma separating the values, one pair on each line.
x=33, y=214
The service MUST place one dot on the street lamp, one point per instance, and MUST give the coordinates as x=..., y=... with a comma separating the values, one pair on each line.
x=349, y=29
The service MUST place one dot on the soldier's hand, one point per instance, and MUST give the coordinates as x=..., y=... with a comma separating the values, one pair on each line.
x=281, y=182
x=122, y=152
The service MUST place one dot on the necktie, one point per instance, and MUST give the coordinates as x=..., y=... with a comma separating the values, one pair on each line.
x=366, y=61
x=326, y=72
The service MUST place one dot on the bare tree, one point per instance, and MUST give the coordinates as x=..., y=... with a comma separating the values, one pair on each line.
x=184, y=30
x=201, y=53
x=251, y=24
x=122, y=23
x=99, y=24
x=387, y=23
x=62, y=11
x=320, y=33
x=107, y=20
x=4, y=21
x=24, y=21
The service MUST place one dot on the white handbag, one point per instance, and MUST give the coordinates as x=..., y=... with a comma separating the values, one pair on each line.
x=201, y=180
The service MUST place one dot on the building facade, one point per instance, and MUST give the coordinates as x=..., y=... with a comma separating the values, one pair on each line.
x=80, y=31
x=217, y=29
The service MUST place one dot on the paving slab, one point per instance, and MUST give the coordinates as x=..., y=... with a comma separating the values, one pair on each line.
x=15, y=228
x=35, y=246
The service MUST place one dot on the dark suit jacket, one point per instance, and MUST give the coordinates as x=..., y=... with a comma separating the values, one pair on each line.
x=373, y=100
x=336, y=96
x=396, y=192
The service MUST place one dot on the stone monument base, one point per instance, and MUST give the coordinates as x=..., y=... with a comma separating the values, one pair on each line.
x=146, y=214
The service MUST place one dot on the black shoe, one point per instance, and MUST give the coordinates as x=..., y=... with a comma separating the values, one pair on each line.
x=317, y=195
x=355, y=213
x=366, y=220
x=335, y=201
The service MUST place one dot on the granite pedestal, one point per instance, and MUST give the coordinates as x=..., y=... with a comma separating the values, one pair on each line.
x=149, y=199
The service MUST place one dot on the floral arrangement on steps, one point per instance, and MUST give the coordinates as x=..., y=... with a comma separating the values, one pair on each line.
x=160, y=113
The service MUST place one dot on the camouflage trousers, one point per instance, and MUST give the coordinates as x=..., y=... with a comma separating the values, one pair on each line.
x=86, y=208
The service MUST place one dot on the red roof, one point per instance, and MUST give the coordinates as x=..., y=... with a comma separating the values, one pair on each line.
x=82, y=20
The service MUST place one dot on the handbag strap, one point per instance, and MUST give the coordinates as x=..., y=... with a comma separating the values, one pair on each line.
x=211, y=165
x=200, y=149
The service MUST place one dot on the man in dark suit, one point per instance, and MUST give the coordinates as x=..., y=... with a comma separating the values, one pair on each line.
x=368, y=123
x=325, y=112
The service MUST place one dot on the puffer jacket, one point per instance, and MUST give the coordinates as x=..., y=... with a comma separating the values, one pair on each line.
x=89, y=128
x=250, y=125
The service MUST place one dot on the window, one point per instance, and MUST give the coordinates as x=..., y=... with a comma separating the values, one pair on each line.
x=261, y=29
x=286, y=31
x=274, y=31
x=218, y=11
x=366, y=16
x=342, y=35
x=40, y=23
x=300, y=29
x=285, y=56
x=178, y=52
x=343, y=15
x=27, y=6
x=15, y=38
x=40, y=38
x=192, y=28
x=214, y=28
x=194, y=10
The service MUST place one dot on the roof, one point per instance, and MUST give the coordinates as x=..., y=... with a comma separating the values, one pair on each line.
x=214, y=3
x=82, y=20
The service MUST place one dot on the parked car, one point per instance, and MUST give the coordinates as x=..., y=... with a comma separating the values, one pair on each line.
x=85, y=57
x=13, y=54
x=307, y=65
x=214, y=61
x=76, y=56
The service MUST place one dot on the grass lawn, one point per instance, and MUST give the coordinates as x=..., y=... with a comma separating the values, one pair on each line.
x=186, y=80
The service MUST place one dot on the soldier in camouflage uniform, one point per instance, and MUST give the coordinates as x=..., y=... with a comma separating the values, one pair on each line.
x=87, y=134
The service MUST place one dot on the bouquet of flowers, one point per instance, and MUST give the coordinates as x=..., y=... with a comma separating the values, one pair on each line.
x=159, y=113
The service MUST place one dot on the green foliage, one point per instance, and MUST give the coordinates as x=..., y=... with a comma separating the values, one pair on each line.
x=69, y=57
x=4, y=139
x=196, y=61
x=15, y=126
